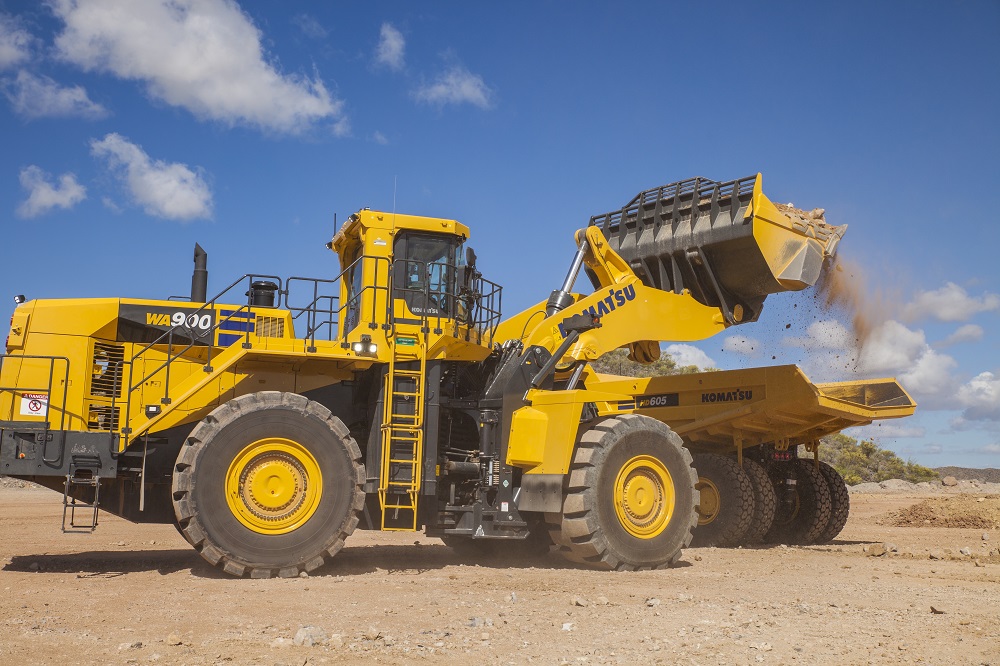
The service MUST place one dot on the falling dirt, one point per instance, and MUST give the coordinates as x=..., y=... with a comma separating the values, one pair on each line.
x=962, y=511
x=843, y=287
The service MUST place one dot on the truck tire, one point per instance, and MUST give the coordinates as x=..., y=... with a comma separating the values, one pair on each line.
x=268, y=484
x=803, y=508
x=629, y=499
x=726, y=501
x=840, y=503
x=764, y=502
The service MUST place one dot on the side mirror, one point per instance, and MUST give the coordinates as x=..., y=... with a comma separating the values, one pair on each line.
x=470, y=257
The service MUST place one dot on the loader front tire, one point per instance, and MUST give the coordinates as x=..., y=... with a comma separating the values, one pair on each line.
x=629, y=499
x=726, y=501
x=840, y=503
x=268, y=484
x=764, y=502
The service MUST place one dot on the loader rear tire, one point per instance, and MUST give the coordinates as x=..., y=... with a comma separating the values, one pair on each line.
x=764, y=502
x=840, y=503
x=726, y=501
x=803, y=508
x=629, y=499
x=268, y=484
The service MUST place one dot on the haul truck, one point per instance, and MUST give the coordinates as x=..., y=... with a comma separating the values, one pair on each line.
x=268, y=422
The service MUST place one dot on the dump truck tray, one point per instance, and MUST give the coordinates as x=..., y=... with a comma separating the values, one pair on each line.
x=714, y=410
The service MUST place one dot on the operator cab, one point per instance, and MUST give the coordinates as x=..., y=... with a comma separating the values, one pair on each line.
x=424, y=273
x=408, y=269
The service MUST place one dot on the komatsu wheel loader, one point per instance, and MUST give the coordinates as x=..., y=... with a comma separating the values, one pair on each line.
x=268, y=422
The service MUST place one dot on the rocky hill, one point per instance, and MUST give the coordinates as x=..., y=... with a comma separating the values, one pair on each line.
x=988, y=474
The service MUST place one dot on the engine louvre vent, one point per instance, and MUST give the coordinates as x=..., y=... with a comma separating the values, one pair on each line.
x=102, y=417
x=107, y=370
x=270, y=327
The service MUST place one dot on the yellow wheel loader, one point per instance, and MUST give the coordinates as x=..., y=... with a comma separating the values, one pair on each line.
x=272, y=420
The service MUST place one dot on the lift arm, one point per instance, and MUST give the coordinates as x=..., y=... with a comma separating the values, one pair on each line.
x=681, y=263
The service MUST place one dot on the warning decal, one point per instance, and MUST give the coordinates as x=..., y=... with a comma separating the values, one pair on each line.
x=34, y=404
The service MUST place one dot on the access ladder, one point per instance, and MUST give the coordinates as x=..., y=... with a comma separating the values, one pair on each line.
x=402, y=434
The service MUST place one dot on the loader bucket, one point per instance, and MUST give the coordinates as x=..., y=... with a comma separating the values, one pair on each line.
x=726, y=243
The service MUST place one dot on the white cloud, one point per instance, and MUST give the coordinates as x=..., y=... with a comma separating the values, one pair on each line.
x=826, y=334
x=380, y=138
x=391, y=48
x=15, y=42
x=342, y=128
x=990, y=449
x=41, y=97
x=309, y=26
x=892, y=348
x=201, y=55
x=690, y=355
x=981, y=397
x=949, y=303
x=457, y=85
x=43, y=195
x=741, y=344
x=167, y=190
x=966, y=333
x=110, y=204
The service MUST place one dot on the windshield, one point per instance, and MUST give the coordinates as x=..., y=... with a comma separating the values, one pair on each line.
x=424, y=272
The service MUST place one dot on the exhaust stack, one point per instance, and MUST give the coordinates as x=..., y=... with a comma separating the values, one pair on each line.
x=199, y=279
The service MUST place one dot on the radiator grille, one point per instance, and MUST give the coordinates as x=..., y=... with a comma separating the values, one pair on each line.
x=102, y=417
x=106, y=377
x=270, y=327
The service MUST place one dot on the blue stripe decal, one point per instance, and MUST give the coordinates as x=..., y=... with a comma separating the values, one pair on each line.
x=226, y=339
x=237, y=314
x=243, y=326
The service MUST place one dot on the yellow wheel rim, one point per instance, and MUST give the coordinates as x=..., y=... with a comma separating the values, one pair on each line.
x=709, y=504
x=274, y=486
x=644, y=497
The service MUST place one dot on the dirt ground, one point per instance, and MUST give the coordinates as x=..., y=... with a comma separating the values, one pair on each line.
x=132, y=594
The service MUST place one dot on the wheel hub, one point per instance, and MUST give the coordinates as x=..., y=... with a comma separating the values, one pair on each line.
x=273, y=486
x=710, y=503
x=644, y=497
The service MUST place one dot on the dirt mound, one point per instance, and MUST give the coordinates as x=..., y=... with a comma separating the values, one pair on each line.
x=968, y=511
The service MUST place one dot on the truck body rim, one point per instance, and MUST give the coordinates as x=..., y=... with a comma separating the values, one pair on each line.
x=273, y=486
x=710, y=502
x=644, y=497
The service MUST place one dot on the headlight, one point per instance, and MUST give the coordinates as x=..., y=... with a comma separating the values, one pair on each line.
x=359, y=348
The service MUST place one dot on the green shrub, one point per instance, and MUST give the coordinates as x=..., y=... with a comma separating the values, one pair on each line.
x=864, y=461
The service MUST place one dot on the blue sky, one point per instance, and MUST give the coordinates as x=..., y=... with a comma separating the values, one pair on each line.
x=129, y=131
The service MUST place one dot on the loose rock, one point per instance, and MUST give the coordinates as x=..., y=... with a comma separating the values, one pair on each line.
x=310, y=636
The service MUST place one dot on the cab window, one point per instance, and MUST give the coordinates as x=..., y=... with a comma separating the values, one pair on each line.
x=424, y=272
